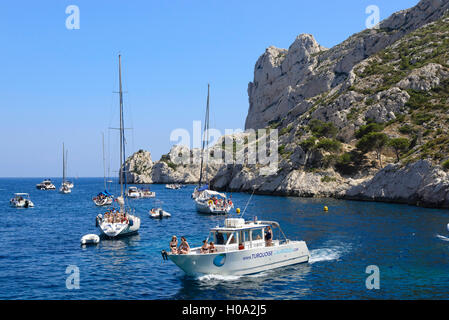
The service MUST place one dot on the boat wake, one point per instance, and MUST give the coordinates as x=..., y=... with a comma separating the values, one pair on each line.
x=326, y=254
x=211, y=277
x=442, y=237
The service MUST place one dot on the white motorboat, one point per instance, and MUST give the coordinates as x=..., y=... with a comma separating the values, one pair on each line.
x=241, y=249
x=158, y=213
x=146, y=193
x=134, y=192
x=213, y=202
x=173, y=186
x=21, y=200
x=121, y=222
x=90, y=239
x=46, y=185
x=65, y=189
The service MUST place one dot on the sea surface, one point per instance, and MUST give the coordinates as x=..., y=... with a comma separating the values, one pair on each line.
x=409, y=245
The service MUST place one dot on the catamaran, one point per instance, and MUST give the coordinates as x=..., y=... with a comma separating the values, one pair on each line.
x=21, y=200
x=103, y=198
x=121, y=222
x=240, y=248
x=206, y=200
x=64, y=187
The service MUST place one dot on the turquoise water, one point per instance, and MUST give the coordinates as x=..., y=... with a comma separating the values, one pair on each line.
x=407, y=243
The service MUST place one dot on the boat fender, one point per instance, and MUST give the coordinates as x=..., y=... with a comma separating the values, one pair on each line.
x=131, y=223
x=26, y=204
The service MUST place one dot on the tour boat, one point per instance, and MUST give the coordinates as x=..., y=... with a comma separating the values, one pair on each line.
x=46, y=185
x=213, y=202
x=121, y=222
x=21, y=200
x=241, y=249
x=158, y=213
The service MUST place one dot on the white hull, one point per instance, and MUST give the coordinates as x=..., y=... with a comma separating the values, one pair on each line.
x=103, y=202
x=90, y=239
x=22, y=204
x=159, y=214
x=242, y=262
x=204, y=206
x=113, y=230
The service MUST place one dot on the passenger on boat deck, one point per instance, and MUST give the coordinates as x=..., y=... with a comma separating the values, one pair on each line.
x=204, y=247
x=219, y=237
x=212, y=248
x=184, y=247
x=174, y=245
x=268, y=237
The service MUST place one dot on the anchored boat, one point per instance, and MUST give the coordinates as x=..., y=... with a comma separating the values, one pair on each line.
x=21, y=200
x=121, y=222
x=240, y=248
x=46, y=185
x=65, y=188
x=213, y=202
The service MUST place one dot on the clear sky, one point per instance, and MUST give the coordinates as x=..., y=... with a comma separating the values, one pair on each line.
x=57, y=84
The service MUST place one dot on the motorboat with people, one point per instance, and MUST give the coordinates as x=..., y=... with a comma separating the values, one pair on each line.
x=213, y=202
x=46, y=185
x=240, y=248
x=159, y=213
x=90, y=239
x=134, y=192
x=147, y=193
x=103, y=199
x=122, y=221
x=21, y=200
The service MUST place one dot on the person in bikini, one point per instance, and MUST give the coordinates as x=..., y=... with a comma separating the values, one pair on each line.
x=204, y=247
x=184, y=247
x=174, y=245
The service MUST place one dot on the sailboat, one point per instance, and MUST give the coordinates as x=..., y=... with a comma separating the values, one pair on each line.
x=64, y=187
x=209, y=201
x=104, y=198
x=121, y=222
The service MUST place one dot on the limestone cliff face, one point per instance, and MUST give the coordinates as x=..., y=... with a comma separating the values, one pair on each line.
x=284, y=80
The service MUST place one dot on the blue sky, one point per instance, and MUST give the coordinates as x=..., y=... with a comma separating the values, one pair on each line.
x=56, y=84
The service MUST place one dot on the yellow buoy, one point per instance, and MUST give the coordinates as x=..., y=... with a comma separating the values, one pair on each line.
x=237, y=210
x=326, y=208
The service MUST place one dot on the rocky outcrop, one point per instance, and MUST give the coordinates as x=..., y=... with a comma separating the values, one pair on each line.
x=419, y=183
x=285, y=79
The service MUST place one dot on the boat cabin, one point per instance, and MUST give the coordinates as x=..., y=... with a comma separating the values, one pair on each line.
x=238, y=234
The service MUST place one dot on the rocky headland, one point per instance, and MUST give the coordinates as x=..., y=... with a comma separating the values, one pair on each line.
x=366, y=119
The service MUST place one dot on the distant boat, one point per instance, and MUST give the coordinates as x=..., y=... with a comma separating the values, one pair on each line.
x=21, y=200
x=64, y=187
x=158, y=213
x=121, y=222
x=46, y=185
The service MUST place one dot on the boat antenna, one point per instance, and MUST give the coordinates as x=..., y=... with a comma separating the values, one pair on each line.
x=247, y=203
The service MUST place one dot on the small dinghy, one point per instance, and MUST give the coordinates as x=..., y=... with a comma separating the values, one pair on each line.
x=90, y=239
x=158, y=213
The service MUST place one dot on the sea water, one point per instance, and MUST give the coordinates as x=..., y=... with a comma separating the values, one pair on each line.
x=40, y=246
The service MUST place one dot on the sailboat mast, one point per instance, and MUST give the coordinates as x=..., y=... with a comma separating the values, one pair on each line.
x=121, y=125
x=206, y=131
x=104, y=162
x=63, y=164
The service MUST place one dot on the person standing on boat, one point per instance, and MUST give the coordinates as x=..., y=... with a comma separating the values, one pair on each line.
x=184, y=247
x=220, y=239
x=268, y=237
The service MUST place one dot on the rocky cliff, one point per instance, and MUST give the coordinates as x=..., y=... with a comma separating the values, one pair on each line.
x=364, y=120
